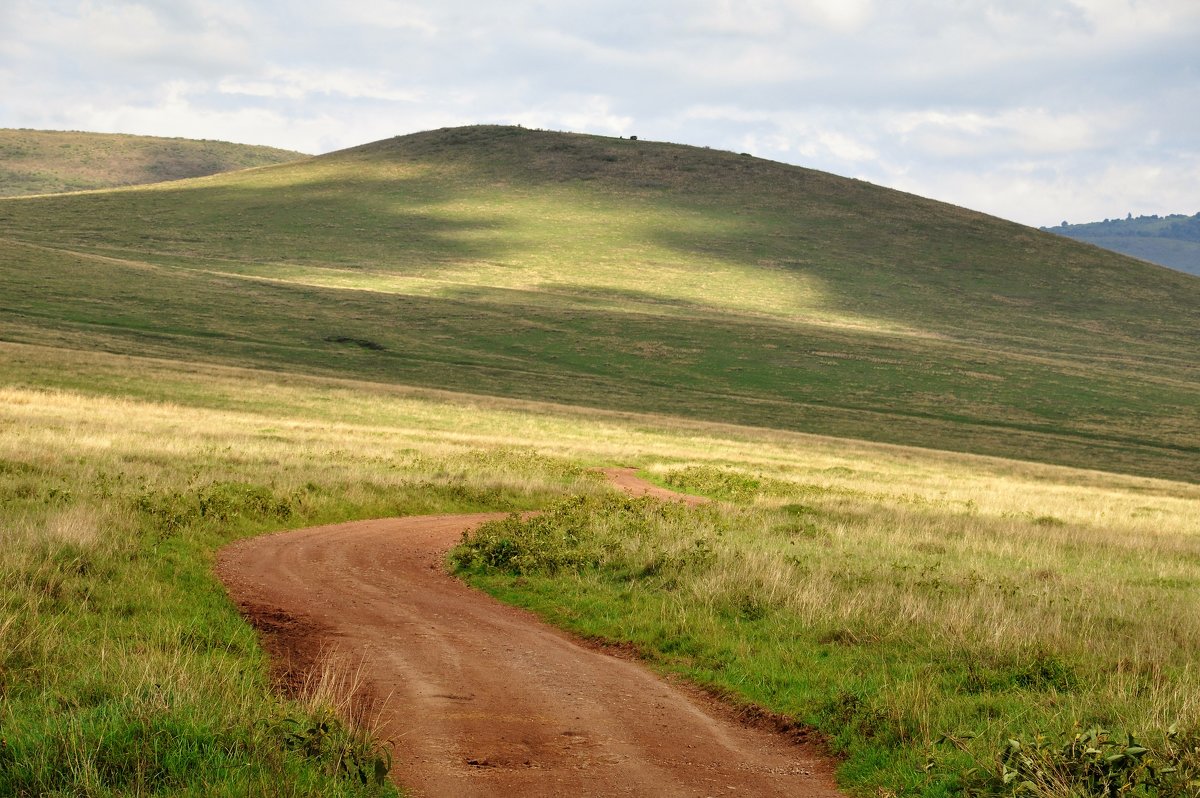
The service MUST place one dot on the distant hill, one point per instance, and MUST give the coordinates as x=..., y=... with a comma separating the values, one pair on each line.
x=630, y=275
x=52, y=161
x=1172, y=241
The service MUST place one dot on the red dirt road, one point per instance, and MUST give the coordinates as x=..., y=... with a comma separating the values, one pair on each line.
x=485, y=700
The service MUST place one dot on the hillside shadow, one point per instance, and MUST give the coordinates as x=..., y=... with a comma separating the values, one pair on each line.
x=997, y=301
x=886, y=257
x=687, y=362
x=364, y=221
x=395, y=221
x=964, y=277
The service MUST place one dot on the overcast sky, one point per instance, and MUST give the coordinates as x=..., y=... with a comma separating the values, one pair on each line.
x=1033, y=110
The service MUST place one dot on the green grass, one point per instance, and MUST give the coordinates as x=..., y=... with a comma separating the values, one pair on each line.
x=857, y=587
x=124, y=669
x=51, y=161
x=917, y=637
x=630, y=276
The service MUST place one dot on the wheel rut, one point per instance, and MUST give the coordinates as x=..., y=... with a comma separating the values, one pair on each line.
x=483, y=699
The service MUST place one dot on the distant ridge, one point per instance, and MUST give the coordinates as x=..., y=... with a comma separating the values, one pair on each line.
x=1172, y=241
x=51, y=161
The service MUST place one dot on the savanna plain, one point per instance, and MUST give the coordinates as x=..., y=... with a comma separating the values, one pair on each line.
x=1014, y=609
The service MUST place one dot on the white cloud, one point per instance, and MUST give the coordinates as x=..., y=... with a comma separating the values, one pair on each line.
x=298, y=84
x=1030, y=131
x=199, y=35
x=391, y=14
x=768, y=18
x=842, y=15
x=1138, y=18
x=1032, y=192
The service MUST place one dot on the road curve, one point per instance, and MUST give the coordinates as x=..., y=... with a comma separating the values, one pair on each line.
x=483, y=699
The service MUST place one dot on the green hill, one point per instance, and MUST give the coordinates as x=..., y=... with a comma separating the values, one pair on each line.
x=630, y=275
x=1172, y=241
x=48, y=161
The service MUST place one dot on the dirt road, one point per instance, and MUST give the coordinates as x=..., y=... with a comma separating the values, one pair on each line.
x=484, y=699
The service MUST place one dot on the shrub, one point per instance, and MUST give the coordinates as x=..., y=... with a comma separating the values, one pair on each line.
x=1094, y=762
x=719, y=483
x=638, y=537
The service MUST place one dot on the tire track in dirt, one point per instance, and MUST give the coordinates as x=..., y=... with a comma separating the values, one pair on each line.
x=483, y=699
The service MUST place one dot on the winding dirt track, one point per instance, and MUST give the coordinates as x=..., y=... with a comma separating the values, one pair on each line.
x=482, y=699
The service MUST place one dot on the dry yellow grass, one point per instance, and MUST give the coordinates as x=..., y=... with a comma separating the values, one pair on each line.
x=973, y=565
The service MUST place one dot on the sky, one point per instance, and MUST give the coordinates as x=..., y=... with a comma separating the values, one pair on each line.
x=1039, y=111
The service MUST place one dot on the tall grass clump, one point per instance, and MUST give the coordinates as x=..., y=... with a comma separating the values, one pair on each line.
x=341, y=722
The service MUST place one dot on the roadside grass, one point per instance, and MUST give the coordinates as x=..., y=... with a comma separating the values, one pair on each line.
x=918, y=633
x=630, y=276
x=124, y=668
x=888, y=596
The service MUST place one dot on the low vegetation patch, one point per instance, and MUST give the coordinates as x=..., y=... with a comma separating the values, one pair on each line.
x=717, y=483
x=1092, y=762
x=48, y=161
x=625, y=537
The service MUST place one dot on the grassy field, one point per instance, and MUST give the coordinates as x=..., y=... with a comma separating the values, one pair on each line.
x=52, y=161
x=890, y=597
x=124, y=669
x=630, y=276
x=467, y=320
